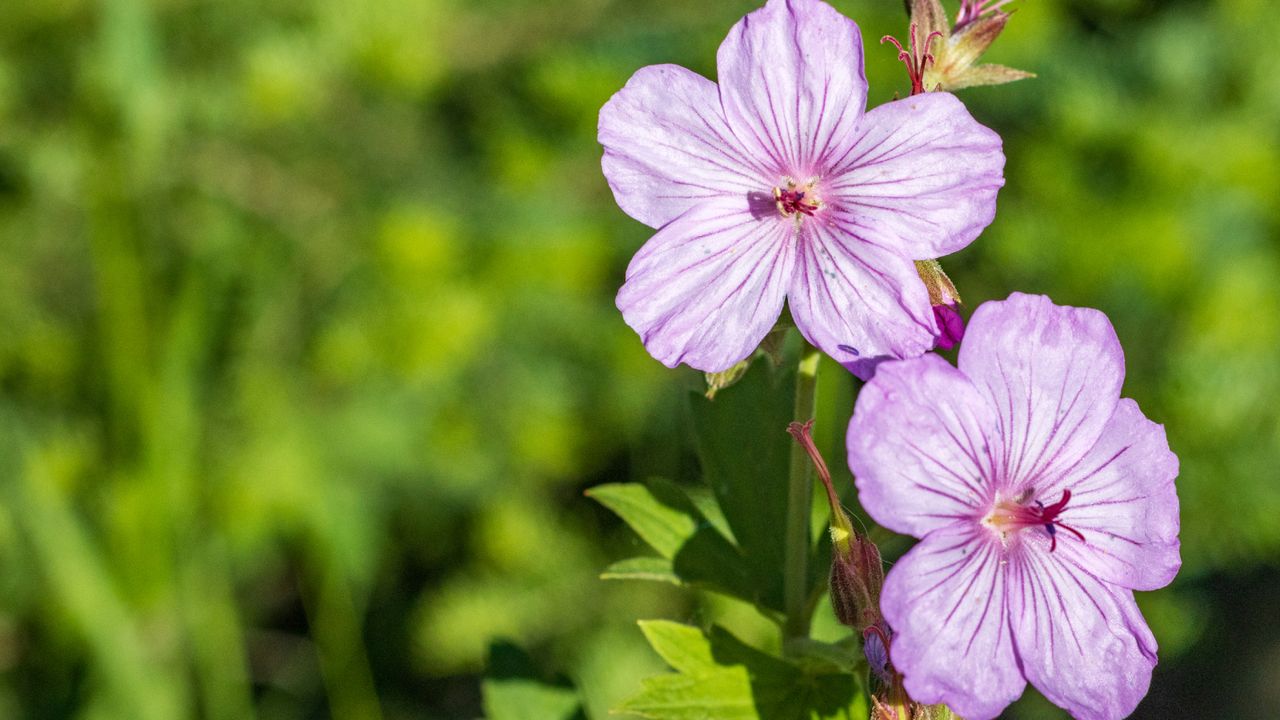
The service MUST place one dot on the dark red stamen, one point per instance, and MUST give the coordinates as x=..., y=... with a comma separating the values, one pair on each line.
x=917, y=59
x=1014, y=514
x=791, y=202
x=1048, y=516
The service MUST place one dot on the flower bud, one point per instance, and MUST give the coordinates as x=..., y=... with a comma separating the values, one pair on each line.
x=717, y=381
x=956, y=53
x=941, y=290
x=944, y=298
x=875, y=646
x=950, y=326
x=770, y=347
x=857, y=572
x=889, y=698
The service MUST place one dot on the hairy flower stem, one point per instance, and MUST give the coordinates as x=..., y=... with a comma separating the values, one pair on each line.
x=800, y=505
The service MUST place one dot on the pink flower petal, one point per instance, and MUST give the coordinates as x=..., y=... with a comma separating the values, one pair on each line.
x=950, y=326
x=1124, y=503
x=667, y=146
x=1054, y=375
x=708, y=287
x=792, y=84
x=946, y=602
x=1049, y=568
x=1081, y=642
x=921, y=177
x=917, y=446
x=858, y=303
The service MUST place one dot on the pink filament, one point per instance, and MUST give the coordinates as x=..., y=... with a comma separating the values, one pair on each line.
x=917, y=59
x=1047, y=516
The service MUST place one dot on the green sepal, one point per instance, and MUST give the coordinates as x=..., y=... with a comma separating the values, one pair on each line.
x=717, y=381
x=772, y=347
x=513, y=689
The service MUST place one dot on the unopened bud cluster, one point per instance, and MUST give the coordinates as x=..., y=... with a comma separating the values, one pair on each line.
x=857, y=572
x=957, y=48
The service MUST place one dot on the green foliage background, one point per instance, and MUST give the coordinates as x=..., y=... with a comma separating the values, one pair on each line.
x=308, y=349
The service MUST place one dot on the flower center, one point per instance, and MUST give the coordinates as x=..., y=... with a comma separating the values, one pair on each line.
x=797, y=200
x=1014, y=514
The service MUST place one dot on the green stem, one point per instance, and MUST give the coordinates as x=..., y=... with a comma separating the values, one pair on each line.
x=800, y=504
x=335, y=624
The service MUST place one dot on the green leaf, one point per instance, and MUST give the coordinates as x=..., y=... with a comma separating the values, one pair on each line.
x=683, y=647
x=721, y=677
x=823, y=657
x=783, y=689
x=664, y=528
x=664, y=517
x=703, y=499
x=642, y=568
x=719, y=693
x=528, y=700
x=514, y=690
x=745, y=449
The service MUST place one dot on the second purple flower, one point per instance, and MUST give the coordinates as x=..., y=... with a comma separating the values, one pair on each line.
x=1041, y=498
x=774, y=186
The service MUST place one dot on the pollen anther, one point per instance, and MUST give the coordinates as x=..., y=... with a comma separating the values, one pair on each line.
x=795, y=200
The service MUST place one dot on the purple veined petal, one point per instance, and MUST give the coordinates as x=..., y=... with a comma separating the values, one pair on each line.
x=918, y=447
x=792, y=83
x=946, y=602
x=1054, y=375
x=921, y=177
x=1081, y=642
x=708, y=287
x=667, y=146
x=950, y=326
x=858, y=303
x=877, y=654
x=1124, y=502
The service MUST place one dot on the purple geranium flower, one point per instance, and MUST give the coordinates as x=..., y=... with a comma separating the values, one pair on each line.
x=1041, y=498
x=775, y=186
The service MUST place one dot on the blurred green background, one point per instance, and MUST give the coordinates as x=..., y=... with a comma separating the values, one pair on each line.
x=308, y=346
